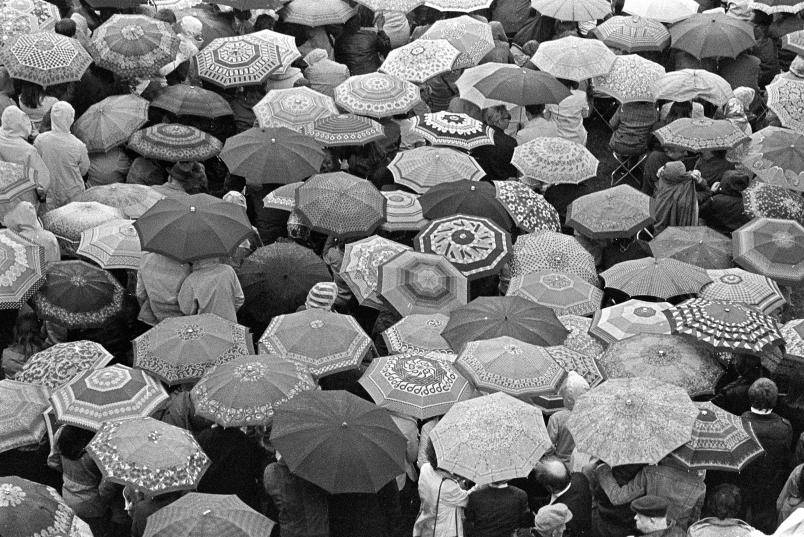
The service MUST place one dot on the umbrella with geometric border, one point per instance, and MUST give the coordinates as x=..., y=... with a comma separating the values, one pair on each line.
x=113, y=245
x=242, y=60
x=377, y=95
x=573, y=10
x=738, y=285
x=772, y=247
x=574, y=58
x=453, y=130
x=69, y=221
x=656, y=277
x=417, y=334
x=360, y=266
x=421, y=60
x=203, y=515
x=282, y=198
x=45, y=58
x=403, y=212
x=554, y=161
x=628, y=319
x=174, y=142
x=563, y=293
x=701, y=246
x=22, y=269
x=317, y=12
x=548, y=250
x=21, y=414
x=470, y=36
x=616, y=212
x=631, y=79
x=633, y=34
x=345, y=129
x=134, y=45
x=61, y=363
x=294, y=108
x=793, y=332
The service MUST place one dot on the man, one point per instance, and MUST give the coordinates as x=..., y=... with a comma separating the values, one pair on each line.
x=571, y=489
x=651, y=517
x=497, y=510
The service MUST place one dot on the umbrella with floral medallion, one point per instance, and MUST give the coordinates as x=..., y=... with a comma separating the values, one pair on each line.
x=420, y=60
x=451, y=129
x=530, y=211
x=473, y=38
x=241, y=60
x=377, y=95
x=22, y=269
x=418, y=333
x=61, y=363
x=554, y=161
x=563, y=293
x=771, y=247
x=738, y=285
x=174, y=142
x=134, y=45
x=30, y=509
x=294, y=108
x=628, y=319
x=69, y=221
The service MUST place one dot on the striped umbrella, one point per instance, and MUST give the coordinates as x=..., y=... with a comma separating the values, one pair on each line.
x=453, y=130
x=530, y=211
x=771, y=247
x=776, y=155
x=633, y=34
x=22, y=421
x=473, y=38
x=700, y=134
x=22, y=269
x=573, y=10
x=196, y=514
x=345, y=129
x=424, y=167
x=554, y=161
x=294, y=108
x=377, y=95
x=657, y=277
x=45, y=58
x=58, y=365
x=698, y=245
x=174, y=142
x=418, y=333
x=317, y=12
x=241, y=60
x=628, y=319
x=563, y=293
x=548, y=250
x=360, y=266
x=420, y=60
x=111, y=122
x=134, y=45
x=112, y=245
x=134, y=200
x=737, y=285
x=574, y=58
x=761, y=200
x=186, y=100
x=617, y=212
x=403, y=212
x=631, y=79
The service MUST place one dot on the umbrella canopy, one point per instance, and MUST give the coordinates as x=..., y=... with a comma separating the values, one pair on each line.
x=207, y=515
x=418, y=333
x=761, y=200
x=44, y=13
x=631, y=79
x=317, y=12
x=403, y=212
x=554, y=161
x=633, y=34
x=794, y=42
x=573, y=10
x=561, y=292
x=360, y=266
x=22, y=269
x=793, y=333
x=424, y=167
x=283, y=197
x=405, y=6
x=415, y=282
x=579, y=339
x=473, y=38
x=181, y=349
x=725, y=325
x=465, y=197
x=453, y=130
x=316, y=428
x=667, y=11
x=777, y=6
x=784, y=99
x=78, y=295
x=186, y=100
x=574, y=58
x=345, y=129
x=548, y=250
x=324, y=341
x=421, y=60
x=776, y=155
x=45, y=58
x=490, y=317
x=377, y=95
x=617, y=212
x=571, y=360
x=476, y=246
x=771, y=247
x=58, y=365
x=111, y=122
x=530, y=211
x=657, y=277
x=738, y=285
x=22, y=422
x=632, y=420
x=174, y=142
x=68, y=221
x=701, y=134
x=273, y=155
x=213, y=23
x=134, y=45
x=712, y=35
x=340, y=204
x=504, y=83
x=720, y=441
x=113, y=245
x=491, y=438
x=247, y=390
x=688, y=84
x=288, y=52
x=149, y=455
x=241, y=60
x=193, y=227
x=466, y=6
x=697, y=245
x=679, y=360
x=294, y=108
x=132, y=199
x=15, y=183
x=415, y=385
x=14, y=22
x=30, y=509
x=630, y=318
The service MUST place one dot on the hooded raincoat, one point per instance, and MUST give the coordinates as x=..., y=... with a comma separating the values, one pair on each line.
x=676, y=202
x=15, y=128
x=22, y=220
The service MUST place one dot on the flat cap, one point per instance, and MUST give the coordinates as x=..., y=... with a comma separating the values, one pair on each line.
x=650, y=506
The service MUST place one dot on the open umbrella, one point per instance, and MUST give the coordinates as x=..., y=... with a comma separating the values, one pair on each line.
x=134, y=200
x=776, y=155
x=403, y=212
x=68, y=221
x=466, y=6
x=15, y=186
x=574, y=58
x=14, y=22
x=247, y=390
x=554, y=161
x=762, y=200
x=294, y=108
x=345, y=129
x=630, y=318
x=571, y=360
x=174, y=142
x=738, y=285
x=771, y=247
x=377, y=95
x=45, y=58
x=30, y=509
x=61, y=363
x=22, y=422
x=667, y=11
x=181, y=349
x=45, y=14
x=489, y=317
x=420, y=60
x=530, y=211
x=473, y=38
x=207, y=515
x=282, y=198
x=504, y=83
x=193, y=227
x=561, y=292
x=111, y=122
x=712, y=35
x=784, y=98
x=360, y=266
x=548, y=250
x=698, y=245
x=579, y=339
x=22, y=268
x=465, y=197
x=418, y=333
x=631, y=79
x=701, y=134
x=241, y=60
x=573, y=10
x=793, y=333
x=186, y=100
x=617, y=212
x=633, y=34
x=794, y=42
x=632, y=420
x=415, y=385
x=777, y=6
x=424, y=167
x=657, y=277
x=112, y=245
x=317, y=12
x=688, y=84
x=453, y=130
x=134, y=45
x=316, y=428
x=405, y=6
x=288, y=52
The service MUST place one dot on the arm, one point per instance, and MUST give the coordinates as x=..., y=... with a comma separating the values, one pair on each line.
x=614, y=122
x=239, y=297
x=83, y=161
x=620, y=495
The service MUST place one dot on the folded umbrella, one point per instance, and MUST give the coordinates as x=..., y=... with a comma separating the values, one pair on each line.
x=361, y=265
x=453, y=130
x=113, y=245
x=22, y=269
x=574, y=58
x=561, y=292
x=417, y=333
x=701, y=134
x=44, y=58
x=554, y=161
x=60, y=364
x=688, y=84
x=505, y=83
x=470, y=36
x=134, y=200
x=633, y=34
x=317, y=12
x=573, y=10
x=771, y=247
x=134, y=45
x=111, y=122
x=465, y=197
x=185, y=100
x=241, y=60
x=548, y=250
x=22, y=421
x=174, y=142
x=530, y=211
x=697, y=245
x=420, y=60
x=738, y=285
x=784, y=99
x=422, y=168
x=377, y=95
x=762, y=200
x=667, y=11
x=712, y=35
x=776, y=155
x=207, y=515
x=655, y=277
x=294, y=108
x=617, y=212
x=631, y=79
x=345, y=129
x=630, y=318
x=403, y=212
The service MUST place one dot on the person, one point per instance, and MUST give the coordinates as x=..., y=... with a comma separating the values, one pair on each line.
x=496, y=510
x=656, y=159
x=725, y=505
x=35, y=103
x=184, y=178
x=140, y=506
x=359, y=49
x=733, y=397
x=792, y=495
x=574, y=386
x=568, y=115
x=211, y=287
x=537, y=125
x=237, y=464
x=724, y=210
x=23, y=221
x=791, y=407
x=107, y=168
x=765, y=48
x=650, y=515
x=15, y=129
x=496, y=159
x=551, y=520
x=27, y=342
x=322, y=73
x=511, y=14
x=158, y=284
x=568, y=488
x=6, y=90
x=301, y=507
x=501, y=53
x=321, y=296
x=631, y=125
x=443, y=499
x=676, y=201
x=711, y=164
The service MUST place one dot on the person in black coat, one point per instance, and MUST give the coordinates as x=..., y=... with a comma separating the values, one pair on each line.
x=497, y=510
x=374, y=515
x=724, y=211
x=237, y=464
x=571, y=489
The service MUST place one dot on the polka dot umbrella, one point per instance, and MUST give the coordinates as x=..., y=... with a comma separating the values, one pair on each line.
x=45, y=58
x=134, y=45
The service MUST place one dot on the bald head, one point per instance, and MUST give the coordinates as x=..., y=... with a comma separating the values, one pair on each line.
x=552, y=473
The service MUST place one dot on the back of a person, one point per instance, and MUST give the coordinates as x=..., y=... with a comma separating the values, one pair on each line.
x=633, y=131
x=303, y=510
x=375, y=515
x=768, y=472
x=65, y=156
x=236, y=465
x=211, y=289
x=568, y=116
x=511, y=13
x=716, y=527
x=685, y=491
x=324, y=74
x=496, y=512
x=358, y=51
x=160, y=279
x=108, y=168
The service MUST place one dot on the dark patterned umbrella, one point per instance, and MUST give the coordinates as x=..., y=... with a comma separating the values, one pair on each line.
x=345, y=129
x=272, y=155
x=453, y=130
x=697, y=245
x=45, y=58
x=185, y=100
x=242, y=60
x=174, y=142
x=22, y=268
x=712, y=35
x=617, y=212
x=771, y=247
x=134, y=45
x=465, y=197
x=657, y=277
x=60, y=364
x=31, y=509
x=762, y=200
x=111, y=122
x=530, y=211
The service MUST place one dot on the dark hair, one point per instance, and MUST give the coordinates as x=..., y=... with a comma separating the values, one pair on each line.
x=726, y=501
x=795, y=390
x=617, y=7
x=27, y=334
x=534, y=109
x=570, y=84
x=31, y=95
x=679, y=110
x=748, y=366
x=241, y=14
x=73, y=441
x=430, y=453
x=65, y=27
x=763, y=394
x=264, y=22
x=352, y=26
x=179, y=74
x=552, y=473
x=760, y=18
x=165, y=15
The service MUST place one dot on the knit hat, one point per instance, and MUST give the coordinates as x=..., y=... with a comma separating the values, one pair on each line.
x=186, y=172
x=672, y=171
x=650, y=506
x=322, y=296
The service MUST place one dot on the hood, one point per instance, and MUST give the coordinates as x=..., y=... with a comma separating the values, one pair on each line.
x=573, y=387
x=14, y=123
x=21, y=217
x=62, y=115
x=315, y=55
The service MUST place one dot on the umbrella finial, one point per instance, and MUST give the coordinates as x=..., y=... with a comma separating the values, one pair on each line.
x=206, y=512
x=473, y=187
x=192, y=208
x=344, y=425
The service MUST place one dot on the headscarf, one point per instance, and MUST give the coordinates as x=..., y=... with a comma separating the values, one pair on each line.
x=746, y=96
x=551, y=520
x=573, y=387
x=62, y=115
x=315, y=56
x=797, y=67
x=734, y=112
x=14, y=123
x=676, y=201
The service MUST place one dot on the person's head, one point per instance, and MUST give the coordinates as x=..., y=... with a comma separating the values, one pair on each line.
x=322, y=296
x=179, y=74
x=497, y=116
x=564, y=28
x=674, y=153
x=65, y=27
x=15, y=123
x=762, y=394
x=190, y=175
x=534, y=110
x=530, y=47
x=264, y=22
x=650, y=513
x=574, y=386
x=27, y=332
x=498, y=31
x=330, y=162
x=551, y=520
x=166, y=15
x=552, y=473
x=617, y=7
x=726, y=501
x=73, y=441
x=748, y=366
x=296, y=228
x=673, y=172
x=679, y=110
x=733, y=182
x=192, y=28
x=31, y=95
x=761, y=20
x=62, y=115
x=242, y=14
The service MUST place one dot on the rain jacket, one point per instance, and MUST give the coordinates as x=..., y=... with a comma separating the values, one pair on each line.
x=158, y=284
x=303, y=509
x=22, y=220
x=676, y=201
x=65, y=156
x=211, y=287
x=15, y=128
x=443, y=501
x=6, y=90
x=791, y=498
x=323, y=73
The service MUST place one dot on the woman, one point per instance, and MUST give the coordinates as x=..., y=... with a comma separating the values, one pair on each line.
x=724, y=211
x=15, y=129
x=27, y=342
x=568, y=115
x=443, y=499
x=35, y=103
x=792, y=495
x=676, y=201
x=725, y=504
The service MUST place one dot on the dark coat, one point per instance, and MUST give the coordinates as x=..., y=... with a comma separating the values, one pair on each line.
x=496, y=512
x=762, y=480
x=374, y=515
x=724, y=212
x=360, y=51
x=496, y=159
x=301, y=506
x=236, y=467
x=579, y=501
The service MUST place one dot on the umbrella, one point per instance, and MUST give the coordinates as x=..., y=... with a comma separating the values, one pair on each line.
x=114, y=4
x=404, y=6
x=113, y=245
x=776, y=155
x=207, y=515
x=617, y=212
x=14, y=22
x=111, y=122
x=174, y=142
x=317, y=12
x=771, y=247
x=115, y=392
x=345, y=129
x=667, y=11
x=276, y=279
x=633, y=34
x=282, y=198
x=712, y=35
x=573, y=10
x=68, y=221
x=784, y=99
x=632, y=420
x=316, y=428
x=213, y=23
x=134, y=45
x=420, y=60
x=554, y=161
x=579, y=339
x=662, y=277
x=738, y=285
x=134, y=200
x=288, y=52
x=530, y=211
x=720, y=441
x=777, y=6
x=698, y=245
x=453, y=130
x=548, y=250
x=465, y=197
x=78, y=295
x=22, y=422
x=504, y=83
x=193, y=227
x=44, y=13
x=360, y=266
x=22, y=268
x=725, y=325
x=403, y=212
x=418, y=333
x=489, y=317
x=572, y=360
x=701, y=134
x=58, y=365
x=424, y=167
x=185, y=100
x=241, y=60
x=632, y=79
x=563, y=293
x=294, y=108
x=377, y=95
x=466, y=6
x=793, y=333
x=794, y=42
x=30, y=509
x=630, y=318
x=761, y=200
x=679, y=360
x=44, y=58
x=340, y=204
x=272, y=155
x=476, y=246
x=574, y=58
x=247, y=390
x=324, y=341
x=415, y=282
x=690, y=84
x=15, y=186
x=491, y=438
x=149, y=455
x=246, y=5
x=181, y=349
x=415, y=385
x=473, y=38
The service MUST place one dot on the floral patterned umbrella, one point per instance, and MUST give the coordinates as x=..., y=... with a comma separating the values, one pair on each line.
x=29, y=509
x=15, y=186
x=476, y=246
x=294, y=108
x=453, y=130
x=111, y=122
x=563, y=293
x=794, y=42
x=574, y=58
x=633, y=34
x=149, y=455
x=283, y=198
x=197, y=514
x=761, y=200
x=288, y=52
x=241, y=60
x=360, y=266
x=415, y=385
x=58, y=365
x=630, y=318
x=405, y=6
x=45, y=58
x=22, y=268
x=698, y=245
x=45, y=14
x=548, y=250
x=181, y=349
x=657, y=277
x=345, y=129
x=134, y=45
x=688, y=84
x=114, y=244
x=700, y=134
x=784, y=99
x=418, y=333
x=377, y=95
x=424, y=167
x=467, y=6
x=573, y=10
x=530, y=211
x=738, y=285
x=317, y=12
x=473, y=38
x=617, y=212
x=570, y=360
x=186, y=100
x=134, y=200
x=69, y=221
x=554, y=161
x=579, y=340
x=14, y=23
x=793, y=333
x=174, y=142
x=776, y=155
x=403, y=212
x=22, y=422
x=420, y=60
x=771, y=247
x=667, y=11
x=631, y=78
